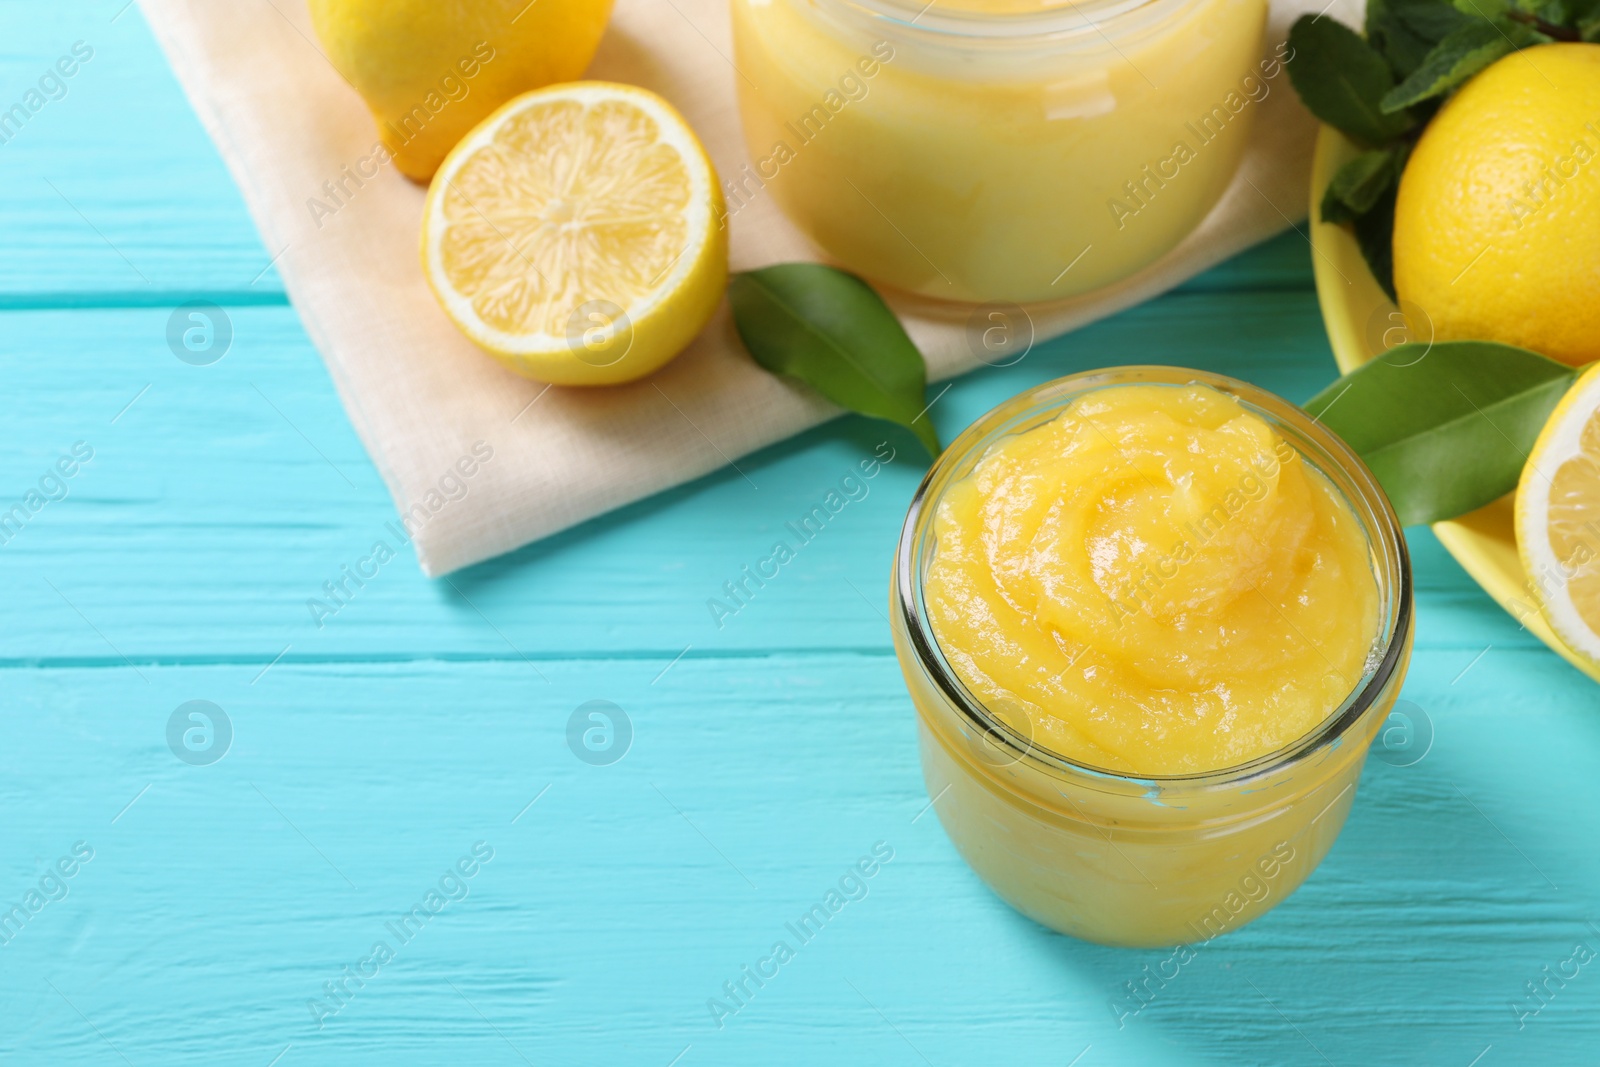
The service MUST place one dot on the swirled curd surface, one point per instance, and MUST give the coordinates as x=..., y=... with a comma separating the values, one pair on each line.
x=1153, y=582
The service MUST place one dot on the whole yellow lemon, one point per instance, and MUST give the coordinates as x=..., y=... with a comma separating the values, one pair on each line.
x=431, y=70
x=1497, y=223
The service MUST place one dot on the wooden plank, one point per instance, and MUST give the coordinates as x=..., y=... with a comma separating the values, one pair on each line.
x=220, y=502
x=1281, y=264
x=112, y=188
x=217, y=904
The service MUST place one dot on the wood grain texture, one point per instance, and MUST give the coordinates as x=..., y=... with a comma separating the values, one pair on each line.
x=371, y=753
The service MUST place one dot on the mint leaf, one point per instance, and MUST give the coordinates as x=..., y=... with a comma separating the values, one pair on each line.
x=828, y=329
x=1458, y=57
x=1375, y=236
x=1405, y=31
x=1342, y=80
x=1356, y=188
x=1551, y=12
x=1444, y=428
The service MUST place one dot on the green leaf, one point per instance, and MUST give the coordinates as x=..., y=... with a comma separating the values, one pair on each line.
x=1445, y=428
x=1483, y=9
x=1554, y=12
x=1434, y=20
x=1458, y=57
x=1375, y=235
x=829, y=330
x=1405, y=31
x=1359, y=183
x=1342, y=80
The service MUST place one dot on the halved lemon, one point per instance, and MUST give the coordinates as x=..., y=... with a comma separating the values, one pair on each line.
x=577, y=234
x=1558, y=518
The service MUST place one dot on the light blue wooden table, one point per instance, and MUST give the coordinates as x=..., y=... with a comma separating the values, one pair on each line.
x=224, y=901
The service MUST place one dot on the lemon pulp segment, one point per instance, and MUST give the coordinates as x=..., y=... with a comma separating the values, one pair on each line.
x=577, y=234
x=568, y=204
x=1558, y=517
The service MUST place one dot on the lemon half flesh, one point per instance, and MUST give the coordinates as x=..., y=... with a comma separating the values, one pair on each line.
x=1558, y=518
x=577, y=234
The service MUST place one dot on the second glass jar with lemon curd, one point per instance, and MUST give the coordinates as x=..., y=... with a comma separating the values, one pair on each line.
x=996, y=150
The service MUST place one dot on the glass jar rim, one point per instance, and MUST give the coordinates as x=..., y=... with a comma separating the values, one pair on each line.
x=1088, y=18
x=1388, y=540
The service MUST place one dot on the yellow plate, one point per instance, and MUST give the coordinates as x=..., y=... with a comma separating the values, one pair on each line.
x=1362, y=322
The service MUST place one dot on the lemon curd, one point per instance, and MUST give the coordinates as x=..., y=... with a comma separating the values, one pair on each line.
x=1151, y=620
x=1155, y=581
x=996, y=150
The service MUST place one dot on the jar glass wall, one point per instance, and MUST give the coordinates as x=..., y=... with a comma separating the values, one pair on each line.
x=1128, y=859
x=1014, y=153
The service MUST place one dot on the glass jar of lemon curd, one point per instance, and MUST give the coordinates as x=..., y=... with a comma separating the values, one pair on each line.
x=1292, y=598
x=996, y=150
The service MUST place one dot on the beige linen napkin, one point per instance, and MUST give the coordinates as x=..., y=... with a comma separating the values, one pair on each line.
x=478, y=460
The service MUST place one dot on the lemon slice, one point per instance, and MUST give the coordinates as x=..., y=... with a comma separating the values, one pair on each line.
x=1558, y=518
x=577, y=234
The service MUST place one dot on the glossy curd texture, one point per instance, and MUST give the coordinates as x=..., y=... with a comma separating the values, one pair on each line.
x=1153, y=582
x=946, y=157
